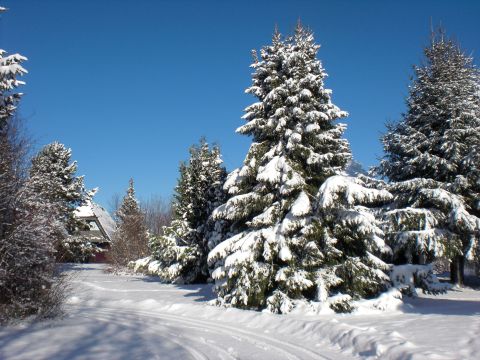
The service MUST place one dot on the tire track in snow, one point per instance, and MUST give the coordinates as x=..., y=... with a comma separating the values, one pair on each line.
x=187, y=324
x=111, y=318
x=289, y=350
x=98, y=287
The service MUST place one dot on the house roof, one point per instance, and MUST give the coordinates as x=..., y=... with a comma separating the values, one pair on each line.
x=93, y=210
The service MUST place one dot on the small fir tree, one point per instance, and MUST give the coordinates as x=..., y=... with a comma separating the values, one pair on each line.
x=130, y=240
x=181, y=253
x=433, y=156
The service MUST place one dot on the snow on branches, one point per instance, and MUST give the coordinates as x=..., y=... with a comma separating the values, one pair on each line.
x=180, y=253
x=299, y=231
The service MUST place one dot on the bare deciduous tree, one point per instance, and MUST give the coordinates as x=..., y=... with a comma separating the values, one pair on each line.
x=158, y=214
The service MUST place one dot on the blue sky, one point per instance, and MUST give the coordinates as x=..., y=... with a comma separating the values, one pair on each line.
x=130, y=85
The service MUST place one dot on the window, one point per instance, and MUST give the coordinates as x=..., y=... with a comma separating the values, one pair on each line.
x=92, y=224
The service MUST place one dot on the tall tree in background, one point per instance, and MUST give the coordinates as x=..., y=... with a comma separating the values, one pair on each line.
x=432, y=158
x=57, y=181
x=182, y=251
x=285, y=246
x=130, y=240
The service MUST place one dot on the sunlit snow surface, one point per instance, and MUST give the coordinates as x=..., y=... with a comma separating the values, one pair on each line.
x=135, y=317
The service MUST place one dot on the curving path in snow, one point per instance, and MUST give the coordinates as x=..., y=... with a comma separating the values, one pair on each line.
x=136, y=317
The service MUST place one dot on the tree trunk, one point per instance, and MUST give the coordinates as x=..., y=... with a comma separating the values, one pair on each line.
x=457, y=270
x=422, y=259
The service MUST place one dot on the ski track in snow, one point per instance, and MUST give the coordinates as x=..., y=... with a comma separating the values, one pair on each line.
x=170, y=333
x=98, y=287
x=281, y=349
x=132, y=317
x=136, y=317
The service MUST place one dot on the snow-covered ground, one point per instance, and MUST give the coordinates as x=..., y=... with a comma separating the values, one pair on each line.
x=135, y=317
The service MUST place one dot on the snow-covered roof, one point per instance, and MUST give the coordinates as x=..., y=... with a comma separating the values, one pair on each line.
x=91, y=209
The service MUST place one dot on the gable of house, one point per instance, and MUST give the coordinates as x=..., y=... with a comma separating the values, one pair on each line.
x=100, y=225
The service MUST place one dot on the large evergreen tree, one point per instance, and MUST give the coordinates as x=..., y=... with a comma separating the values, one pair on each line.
x=130, y=240
x=432, y=158
x=181, y=253
x=283, y=243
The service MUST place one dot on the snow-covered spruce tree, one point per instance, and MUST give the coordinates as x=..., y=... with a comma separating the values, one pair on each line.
x=10, y=69
x=59, y=184
x=130, y=240
x=286, y=244
x=181, y=253
x=349, y=234
x=432, y=158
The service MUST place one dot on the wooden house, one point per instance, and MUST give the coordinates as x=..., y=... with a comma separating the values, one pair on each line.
x=99, y=226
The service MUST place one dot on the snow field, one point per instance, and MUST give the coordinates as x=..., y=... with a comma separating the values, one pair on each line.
x=136, y=317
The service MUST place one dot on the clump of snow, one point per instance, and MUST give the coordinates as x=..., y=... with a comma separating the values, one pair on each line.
x=352, y=191
x=407, y=277
x=388, y=301
x=301, y=206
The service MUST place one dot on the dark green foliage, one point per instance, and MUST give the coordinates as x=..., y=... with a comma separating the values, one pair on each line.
x=182, y=250
x=433, y=154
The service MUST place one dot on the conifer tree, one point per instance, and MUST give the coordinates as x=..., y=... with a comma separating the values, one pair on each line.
x=10, y=69
x=130, y=240
x=283, y=244
x=182, y=251
x=432, y=158
x=349, y=233
x=57, y=181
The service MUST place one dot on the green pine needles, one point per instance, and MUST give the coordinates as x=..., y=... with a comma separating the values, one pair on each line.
x=287, y=244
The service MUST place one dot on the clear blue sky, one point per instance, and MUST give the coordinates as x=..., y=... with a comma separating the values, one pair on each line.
x=130, y=85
